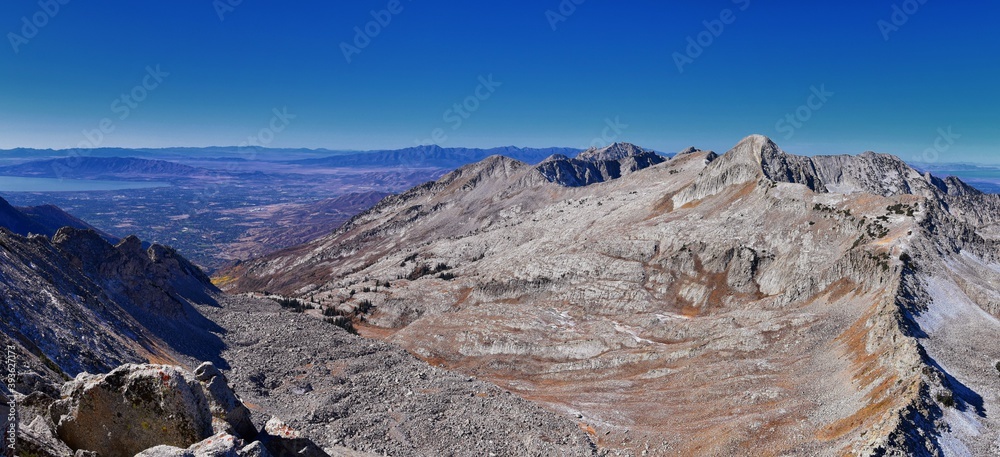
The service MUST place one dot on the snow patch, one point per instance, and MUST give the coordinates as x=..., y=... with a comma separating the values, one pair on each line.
x=964, y=424
x=670, y=317
x=632, y=332
x=979, y=261
x=842, y=188
x=949, y=303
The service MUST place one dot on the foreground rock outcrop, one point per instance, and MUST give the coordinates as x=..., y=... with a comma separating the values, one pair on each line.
x=152, y=410
x=136, y=407
x=751, y=302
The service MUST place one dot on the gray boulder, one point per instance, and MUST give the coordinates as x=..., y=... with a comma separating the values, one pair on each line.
x=229, y=414
x=282, y=440
x=138, y=407
x=221, y=444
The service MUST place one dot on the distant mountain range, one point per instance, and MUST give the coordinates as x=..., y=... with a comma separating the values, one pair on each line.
x=84, y=163
x=433, y=156
x=424, y=156
x=101, y=167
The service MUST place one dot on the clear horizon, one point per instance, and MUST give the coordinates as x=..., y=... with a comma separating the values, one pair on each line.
x=906, y=78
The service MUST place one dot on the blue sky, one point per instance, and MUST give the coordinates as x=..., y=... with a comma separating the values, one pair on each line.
x=557, y=72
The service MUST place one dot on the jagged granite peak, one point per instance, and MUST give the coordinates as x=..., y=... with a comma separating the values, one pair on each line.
x=708, y=156
x=688, y=150
x=694, y=308
x=757, y=157
x=128, y=262
x=615, y=151
x=598, y=165
x=131, y=244
x=556, y=157
x=952, y=185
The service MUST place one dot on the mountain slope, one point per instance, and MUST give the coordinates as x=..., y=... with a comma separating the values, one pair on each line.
x=52, y=218
x=19, y=222
x=41, y=220
x=87, y=305
x=751, y=302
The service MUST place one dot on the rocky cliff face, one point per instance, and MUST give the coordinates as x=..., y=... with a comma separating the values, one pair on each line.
x=77, y=303
x=756, y=301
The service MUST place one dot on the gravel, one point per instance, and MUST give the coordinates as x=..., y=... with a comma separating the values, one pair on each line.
x=343, y=391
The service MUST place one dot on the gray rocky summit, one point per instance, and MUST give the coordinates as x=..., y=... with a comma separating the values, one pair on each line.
x=597, y=165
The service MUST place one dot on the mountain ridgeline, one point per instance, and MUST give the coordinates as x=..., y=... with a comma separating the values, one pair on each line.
x=41, y=220
x=754, y=301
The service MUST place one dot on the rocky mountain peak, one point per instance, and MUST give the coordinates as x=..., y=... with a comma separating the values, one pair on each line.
x=690, y=150
x=757, y=148
x=953, y=186
x=495, y=166
x=597, y=165
x=131, y=244
x=615, y=151
x=745, y=162
x=555, y=157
